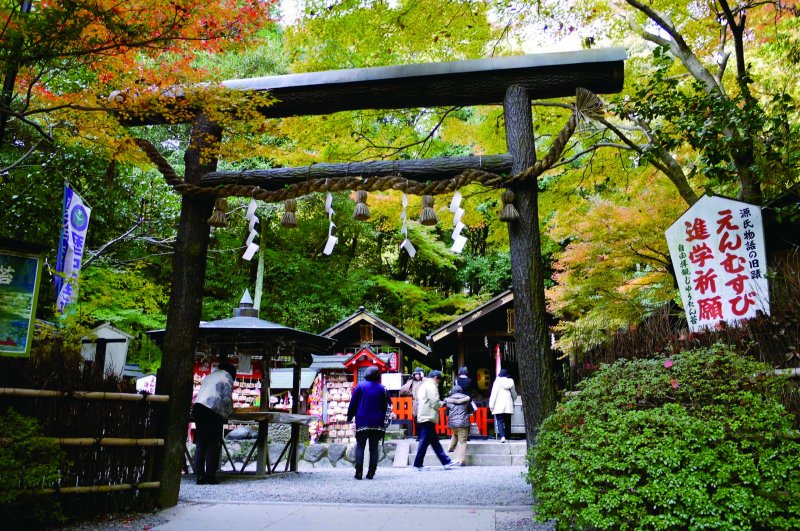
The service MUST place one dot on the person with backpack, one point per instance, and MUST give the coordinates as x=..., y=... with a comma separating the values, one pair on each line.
x=427, y=416
x=459, y=408
x=213, y=405
x=368, y=406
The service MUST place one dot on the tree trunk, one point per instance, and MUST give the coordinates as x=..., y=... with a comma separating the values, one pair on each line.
x=185, y=307
x=533, y=348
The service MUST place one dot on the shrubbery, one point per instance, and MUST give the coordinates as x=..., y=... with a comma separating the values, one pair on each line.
x=28, y=461
x=696, y=440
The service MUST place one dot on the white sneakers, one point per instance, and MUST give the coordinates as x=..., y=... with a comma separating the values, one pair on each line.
x=502, y=439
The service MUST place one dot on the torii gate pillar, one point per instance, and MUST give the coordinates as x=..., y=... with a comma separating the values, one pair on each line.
x=185, y=308
x=530, y=330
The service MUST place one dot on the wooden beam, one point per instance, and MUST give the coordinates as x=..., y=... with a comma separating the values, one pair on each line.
x=433, y=169
x=107, y=441
x=99, y=488
x=83, y=395
x=454, y=83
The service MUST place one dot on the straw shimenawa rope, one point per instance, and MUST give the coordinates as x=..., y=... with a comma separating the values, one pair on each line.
x=587, y=105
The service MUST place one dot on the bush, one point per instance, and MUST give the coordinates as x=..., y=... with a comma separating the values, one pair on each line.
x=28, y=461
x=689, y=442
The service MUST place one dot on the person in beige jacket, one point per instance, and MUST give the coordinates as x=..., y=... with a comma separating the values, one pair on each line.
x=428, y=405
x=501, y=403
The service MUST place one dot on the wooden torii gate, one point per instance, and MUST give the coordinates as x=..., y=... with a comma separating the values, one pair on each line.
x=510, y=81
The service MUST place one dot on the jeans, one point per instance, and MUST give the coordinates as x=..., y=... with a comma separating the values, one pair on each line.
x=502, y=423
x=208, y=441
x=428, y=437
x=373, y=436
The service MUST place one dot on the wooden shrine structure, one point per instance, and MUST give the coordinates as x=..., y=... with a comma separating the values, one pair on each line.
x=510, y=81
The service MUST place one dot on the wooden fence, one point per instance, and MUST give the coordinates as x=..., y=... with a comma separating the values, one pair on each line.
x=110, y=441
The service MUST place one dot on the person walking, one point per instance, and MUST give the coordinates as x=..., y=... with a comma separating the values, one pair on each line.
x=501, y=403
x=428, y=415
x=458, y=406
x=410, y=389
x=213, y=405
x=368, y=406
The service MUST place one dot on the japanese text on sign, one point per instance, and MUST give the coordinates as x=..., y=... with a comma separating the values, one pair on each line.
x=717, y=250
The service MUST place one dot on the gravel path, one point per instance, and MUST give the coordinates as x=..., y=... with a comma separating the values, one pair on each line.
x=501, y=488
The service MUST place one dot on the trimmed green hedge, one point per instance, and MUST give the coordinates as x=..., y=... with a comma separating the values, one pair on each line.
x=694, y=441
x=28, y=462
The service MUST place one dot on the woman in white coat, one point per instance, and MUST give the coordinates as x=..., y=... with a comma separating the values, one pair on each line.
x=501, y=403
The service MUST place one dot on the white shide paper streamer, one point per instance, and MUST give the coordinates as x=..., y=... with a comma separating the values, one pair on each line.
x=252, y=248
x=407, y=245
x=455, y=207
x=332, y=240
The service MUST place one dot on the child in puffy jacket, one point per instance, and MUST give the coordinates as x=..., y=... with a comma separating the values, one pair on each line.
x=459, y=410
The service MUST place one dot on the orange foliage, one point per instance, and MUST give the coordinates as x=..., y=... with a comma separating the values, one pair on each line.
x=72, y=55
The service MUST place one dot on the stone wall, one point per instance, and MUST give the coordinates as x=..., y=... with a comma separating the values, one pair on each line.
x=310, y=456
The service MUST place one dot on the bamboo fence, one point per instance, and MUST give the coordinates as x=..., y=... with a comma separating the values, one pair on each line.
x=110, y=442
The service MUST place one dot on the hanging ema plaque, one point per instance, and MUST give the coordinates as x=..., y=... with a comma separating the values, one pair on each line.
x=19, y=288
x=717, y=249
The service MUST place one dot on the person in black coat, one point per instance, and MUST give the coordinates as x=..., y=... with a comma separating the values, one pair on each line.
x=464, y=381
x=368, y=406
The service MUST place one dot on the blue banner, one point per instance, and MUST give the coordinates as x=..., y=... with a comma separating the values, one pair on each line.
x=75, y=224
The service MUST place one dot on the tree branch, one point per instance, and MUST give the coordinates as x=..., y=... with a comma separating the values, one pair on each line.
x=678, y=47
x=108, y=244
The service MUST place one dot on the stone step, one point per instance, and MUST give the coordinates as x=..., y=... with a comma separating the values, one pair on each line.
x=479, y=453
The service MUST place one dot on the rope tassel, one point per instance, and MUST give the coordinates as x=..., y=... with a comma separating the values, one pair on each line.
x=361, y=213
x=218, y=217
x=587, y=105
x=509, y=212
x=289, y=219
x=428, y=215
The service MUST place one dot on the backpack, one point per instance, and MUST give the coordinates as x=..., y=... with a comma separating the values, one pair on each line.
x=389, y=417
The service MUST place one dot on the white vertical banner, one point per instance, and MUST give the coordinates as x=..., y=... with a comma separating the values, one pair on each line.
x=70, y=249
x=718, y=252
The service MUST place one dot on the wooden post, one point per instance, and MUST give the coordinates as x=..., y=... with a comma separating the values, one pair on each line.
x=185, y=306
x=295, y=428
x=533, y=348
x=262, y=451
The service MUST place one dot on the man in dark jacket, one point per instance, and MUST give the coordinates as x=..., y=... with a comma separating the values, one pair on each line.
x=368, y=405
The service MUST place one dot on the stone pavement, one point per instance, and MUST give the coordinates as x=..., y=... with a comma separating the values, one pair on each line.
x=193, y=516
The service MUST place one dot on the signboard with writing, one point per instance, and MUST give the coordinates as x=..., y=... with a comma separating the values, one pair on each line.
x=19, y=290
x=146, y=384
x=718, y=252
